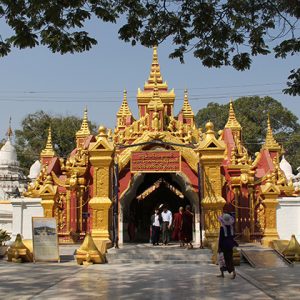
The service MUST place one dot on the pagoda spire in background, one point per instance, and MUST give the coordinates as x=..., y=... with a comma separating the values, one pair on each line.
x=124, y=108
x=232, y=122
x=9, y=131
x=186, y=108
x=270, y=143
x=84, y=129
x=48, y=151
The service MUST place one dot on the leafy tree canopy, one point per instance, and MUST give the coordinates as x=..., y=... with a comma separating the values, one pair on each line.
x=218, y=32
x=32, y=137
x=252, y=113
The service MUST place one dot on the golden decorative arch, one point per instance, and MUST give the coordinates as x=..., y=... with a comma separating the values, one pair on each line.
x=188, y=154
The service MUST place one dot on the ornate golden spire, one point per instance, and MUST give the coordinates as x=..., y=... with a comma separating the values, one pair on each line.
x=232, y=122
x=186, y=109
x=124, y=109
x=271, y=143
x=9, y=131
x=155, y=72
x=84, y=129
x=48, y=150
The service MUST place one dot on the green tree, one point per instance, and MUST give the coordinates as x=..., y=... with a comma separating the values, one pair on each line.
x=32, y=137
x=252, y=113
x=218, y=32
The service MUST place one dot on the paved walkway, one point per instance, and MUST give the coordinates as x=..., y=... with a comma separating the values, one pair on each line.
x=67, y=280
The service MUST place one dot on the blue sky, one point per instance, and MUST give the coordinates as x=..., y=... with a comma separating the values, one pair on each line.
x=37, y=79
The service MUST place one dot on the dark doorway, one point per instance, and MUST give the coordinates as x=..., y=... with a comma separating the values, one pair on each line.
x=156, y=189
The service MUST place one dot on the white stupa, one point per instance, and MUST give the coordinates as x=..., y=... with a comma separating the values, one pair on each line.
x=286, y=168
x=12, y=180
x=35, y=170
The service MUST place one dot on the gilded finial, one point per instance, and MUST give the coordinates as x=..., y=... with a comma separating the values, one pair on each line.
x=124, y=108
x=270, y=143
x=155, y=72
x=232, y=122
x=9, y=131
x=48, y=150
x=186, y=109
x=84, y=129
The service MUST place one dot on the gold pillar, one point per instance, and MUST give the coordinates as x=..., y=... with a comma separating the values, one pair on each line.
x=101, y=158
x=270, y=193
x=48, y=193
x=211, y=154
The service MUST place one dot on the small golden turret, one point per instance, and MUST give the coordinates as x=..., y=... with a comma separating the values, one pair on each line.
x=270, y=143
x=84, y=130
x=48, y=151
x=187, y=109
x=124, y=109
x=232, y=122
x=88, y=252
x=18, y=252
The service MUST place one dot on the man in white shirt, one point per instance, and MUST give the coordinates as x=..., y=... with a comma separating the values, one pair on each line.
x=166, y=216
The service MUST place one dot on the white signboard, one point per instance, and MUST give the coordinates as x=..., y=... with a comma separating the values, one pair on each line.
x=45, y=239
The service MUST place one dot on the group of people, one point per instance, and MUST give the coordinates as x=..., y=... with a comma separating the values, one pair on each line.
x=180, y=227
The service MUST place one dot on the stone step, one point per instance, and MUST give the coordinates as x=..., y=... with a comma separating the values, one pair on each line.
x=157, y=255
x=144, y=261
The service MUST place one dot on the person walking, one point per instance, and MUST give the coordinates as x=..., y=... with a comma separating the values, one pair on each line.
x=226, y=244
x=177, y=225
x=166, y=216
x=156, y=222
x=187, y=226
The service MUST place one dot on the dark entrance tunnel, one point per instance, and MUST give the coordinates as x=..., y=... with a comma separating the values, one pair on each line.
x=154, y=190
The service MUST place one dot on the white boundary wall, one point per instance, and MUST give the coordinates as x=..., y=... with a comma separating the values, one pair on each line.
x=288, y=217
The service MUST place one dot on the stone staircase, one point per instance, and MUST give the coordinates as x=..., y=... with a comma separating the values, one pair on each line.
x=148, y=254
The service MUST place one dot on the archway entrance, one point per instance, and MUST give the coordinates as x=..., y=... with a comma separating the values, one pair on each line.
x=148, y=191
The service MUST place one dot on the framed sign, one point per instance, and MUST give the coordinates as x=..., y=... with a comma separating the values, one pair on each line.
x=155, y=161
x=45, y=239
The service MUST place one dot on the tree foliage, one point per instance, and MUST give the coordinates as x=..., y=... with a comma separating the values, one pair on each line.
x=252, y=113
x=218, y=32
x=32, y=137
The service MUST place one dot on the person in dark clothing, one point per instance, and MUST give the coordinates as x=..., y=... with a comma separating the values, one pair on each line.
x=187, y=226
x=227, y=243
x=156, y=222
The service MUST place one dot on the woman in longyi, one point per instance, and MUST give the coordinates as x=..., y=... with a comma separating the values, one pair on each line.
x=226, y=245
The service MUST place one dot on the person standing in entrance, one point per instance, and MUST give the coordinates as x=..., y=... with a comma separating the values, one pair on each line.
x=155, y=223
x=227, y=243
x=187, y=226
x=177, y=224
x=166, y=216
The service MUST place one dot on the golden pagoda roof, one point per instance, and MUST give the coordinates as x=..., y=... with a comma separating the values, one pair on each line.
x=155, y=103
x=187, y=109
x=155, y=72
x=271, y=143
x=84, y=129
x=232, y=122
x=48, y=150
x=124, y=108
